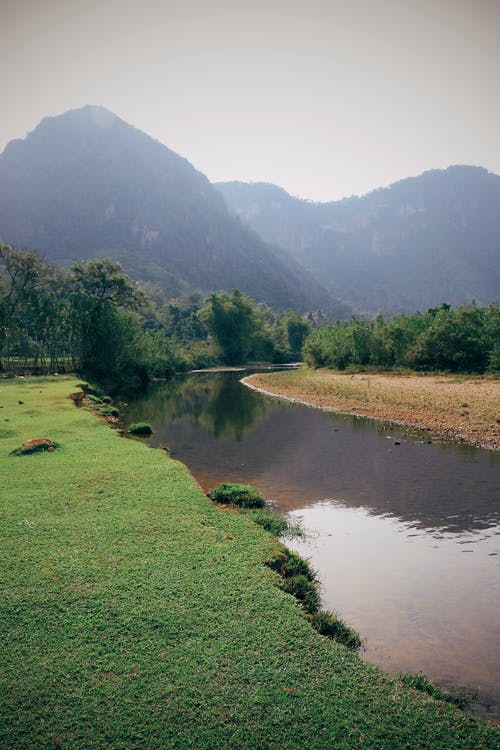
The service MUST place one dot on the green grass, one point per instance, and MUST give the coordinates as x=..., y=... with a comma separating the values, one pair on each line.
x=138, y=614
x=241, y=495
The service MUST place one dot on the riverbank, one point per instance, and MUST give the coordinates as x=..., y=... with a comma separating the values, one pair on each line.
x=463, y=409
x=138, y=614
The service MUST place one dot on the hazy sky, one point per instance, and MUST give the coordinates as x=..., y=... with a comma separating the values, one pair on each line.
x=326, y=99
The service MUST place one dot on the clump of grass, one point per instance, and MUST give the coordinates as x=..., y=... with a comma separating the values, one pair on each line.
x=333, y=627
x=296, y=565
x=109, y=411
x=304, y=590
x=455, y=695
x=106, y=399
x=241, y=495
x=270, y=520
x=278, y=561
x=94, y=399
x=140, y=428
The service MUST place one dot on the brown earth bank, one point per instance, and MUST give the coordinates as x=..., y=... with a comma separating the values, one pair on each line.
x=465, y=409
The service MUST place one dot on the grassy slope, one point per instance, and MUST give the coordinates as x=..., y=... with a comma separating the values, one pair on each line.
x=136, y=614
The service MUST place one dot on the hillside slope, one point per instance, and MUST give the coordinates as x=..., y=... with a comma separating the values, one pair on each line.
x=410, y=246
x=86, y=184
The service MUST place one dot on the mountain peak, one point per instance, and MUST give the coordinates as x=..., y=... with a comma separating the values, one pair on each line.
x=87, y=184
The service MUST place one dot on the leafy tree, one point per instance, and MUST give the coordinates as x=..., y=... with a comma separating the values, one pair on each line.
x=21, y=274
x=237, y=327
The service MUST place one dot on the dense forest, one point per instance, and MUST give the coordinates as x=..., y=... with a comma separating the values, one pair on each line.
x=466, y=339
x=93, y=319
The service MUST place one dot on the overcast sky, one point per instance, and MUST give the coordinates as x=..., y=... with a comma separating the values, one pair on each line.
x=325, y=98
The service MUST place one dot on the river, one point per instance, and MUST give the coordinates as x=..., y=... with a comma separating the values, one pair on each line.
x=403, y=530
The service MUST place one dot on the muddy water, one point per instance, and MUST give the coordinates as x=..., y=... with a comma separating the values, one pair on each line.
x=404, y=532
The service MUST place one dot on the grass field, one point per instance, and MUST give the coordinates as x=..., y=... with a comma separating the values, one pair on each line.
x=465, y=409
x=136, y=614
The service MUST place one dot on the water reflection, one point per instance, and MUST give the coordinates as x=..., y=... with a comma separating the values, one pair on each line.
x=201, y=399
x=297, y=455
x=408, y=547
x=423, y=602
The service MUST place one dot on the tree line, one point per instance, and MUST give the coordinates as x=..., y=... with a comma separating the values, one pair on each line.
x=466, y=339
x=94, y=320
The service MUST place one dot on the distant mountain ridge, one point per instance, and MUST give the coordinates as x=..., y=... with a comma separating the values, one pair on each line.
x=86, y=184
x=406, y=247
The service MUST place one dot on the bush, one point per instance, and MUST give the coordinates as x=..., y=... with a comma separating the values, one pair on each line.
x=333, y=627
x=141, y=428
x=241, y=495
x=94, y=399
x=304, y=590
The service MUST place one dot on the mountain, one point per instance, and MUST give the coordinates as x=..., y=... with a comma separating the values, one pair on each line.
x=407, y=247
x=86, y=184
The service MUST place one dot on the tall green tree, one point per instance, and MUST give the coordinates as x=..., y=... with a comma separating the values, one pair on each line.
x=236, y=325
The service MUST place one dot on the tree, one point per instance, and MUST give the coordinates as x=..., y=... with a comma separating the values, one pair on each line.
x=100, y=289
x=235, y=324
x=102, y=281
x=21, y=273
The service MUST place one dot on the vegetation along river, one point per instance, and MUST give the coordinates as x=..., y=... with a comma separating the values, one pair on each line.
x=404, y=532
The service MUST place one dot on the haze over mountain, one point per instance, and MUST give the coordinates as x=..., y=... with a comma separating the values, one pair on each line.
x=86, y=184
x=407, y=247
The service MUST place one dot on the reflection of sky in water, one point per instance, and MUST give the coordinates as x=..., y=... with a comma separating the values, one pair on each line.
x=410, y=556
x=423, y=600
x=297, y=455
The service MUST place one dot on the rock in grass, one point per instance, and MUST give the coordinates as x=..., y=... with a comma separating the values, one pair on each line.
x=141, y=428
x=35, y=445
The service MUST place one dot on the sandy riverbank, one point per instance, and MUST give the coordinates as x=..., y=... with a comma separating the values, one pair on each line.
x=464, y=409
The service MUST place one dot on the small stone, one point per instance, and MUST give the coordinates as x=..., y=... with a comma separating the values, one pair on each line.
x=20, y=402
x=397, y=442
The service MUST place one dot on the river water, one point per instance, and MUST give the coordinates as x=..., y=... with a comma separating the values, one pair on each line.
x=404, y=531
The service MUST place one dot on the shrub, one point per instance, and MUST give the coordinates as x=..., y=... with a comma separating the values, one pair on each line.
x=241, y=495
x=94, y=399
x=304, y=590
x=333, y=627
x=141, y=428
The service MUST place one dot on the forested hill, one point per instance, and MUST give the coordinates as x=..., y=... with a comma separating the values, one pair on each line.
x=403, y=248
x=86, y=184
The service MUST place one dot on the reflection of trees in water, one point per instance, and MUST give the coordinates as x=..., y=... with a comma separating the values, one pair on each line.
x=215, y=400
x=232, y=410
